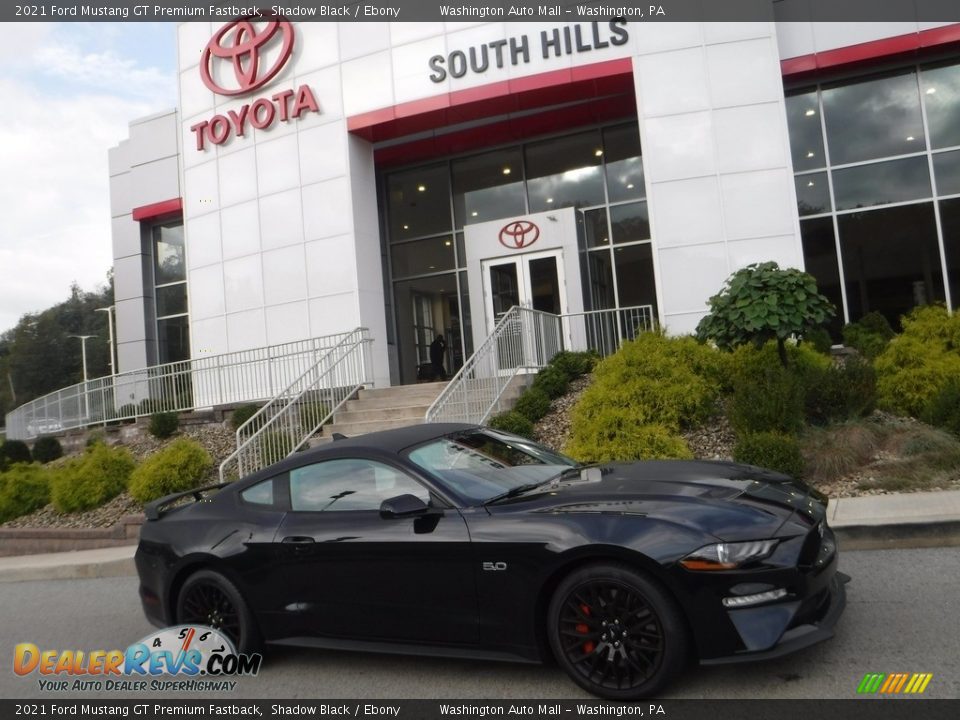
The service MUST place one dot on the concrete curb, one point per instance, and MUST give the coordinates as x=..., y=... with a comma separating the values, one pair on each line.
x=945, y=533
x=105, y=562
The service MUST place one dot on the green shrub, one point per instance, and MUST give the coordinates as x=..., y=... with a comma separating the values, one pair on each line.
x=552, y=381
x=869, y=335
x=14, y=451
x=96, y=437
x=23, y=489
x=919, y=363
x=819, y=339
x=575, y=364
x=660, y=380
x=533, y=404
x=275, y=445
x=944, y=410
x=617, y=439
x=512, y=422
x=771, y=450
x=766, y=395
x=840, y=392
x=128, y=411
x=89, y=481
x=164, y=424
x=47, y=449
x=180, y=466
x=149, y=406
x=241, y=414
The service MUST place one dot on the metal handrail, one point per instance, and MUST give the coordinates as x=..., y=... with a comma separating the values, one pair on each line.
x=477, y=390
x=225, y=379
x=523, y=340
x=285, y=424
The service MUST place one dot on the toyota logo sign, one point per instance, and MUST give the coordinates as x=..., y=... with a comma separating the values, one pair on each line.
x=519, y=234
x=241, y=44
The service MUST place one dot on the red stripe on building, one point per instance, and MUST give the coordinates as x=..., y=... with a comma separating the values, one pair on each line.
x=159, y=209
x=870, y=52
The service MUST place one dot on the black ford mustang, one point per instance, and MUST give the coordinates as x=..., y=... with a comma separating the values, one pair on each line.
x=459, y=540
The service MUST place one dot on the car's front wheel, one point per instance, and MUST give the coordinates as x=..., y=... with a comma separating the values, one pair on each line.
x=208, y=598
x=616, y=632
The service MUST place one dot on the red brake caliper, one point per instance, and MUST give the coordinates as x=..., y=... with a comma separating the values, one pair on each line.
x=589, y=646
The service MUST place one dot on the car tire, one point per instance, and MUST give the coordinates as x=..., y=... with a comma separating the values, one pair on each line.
x=208, y=598
x=616, y=632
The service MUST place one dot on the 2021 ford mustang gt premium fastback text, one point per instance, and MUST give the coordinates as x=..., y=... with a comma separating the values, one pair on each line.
x=459, y=540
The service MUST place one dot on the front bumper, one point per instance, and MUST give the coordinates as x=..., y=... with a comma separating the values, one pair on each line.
x=818, y=628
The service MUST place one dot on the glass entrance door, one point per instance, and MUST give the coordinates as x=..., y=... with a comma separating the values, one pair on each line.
x=533, y=280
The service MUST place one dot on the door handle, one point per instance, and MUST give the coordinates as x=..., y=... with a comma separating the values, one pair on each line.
x=297, y=540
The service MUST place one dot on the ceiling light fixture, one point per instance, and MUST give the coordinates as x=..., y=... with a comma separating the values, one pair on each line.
x=421, y=188
x=506, y=171
x=810, y=113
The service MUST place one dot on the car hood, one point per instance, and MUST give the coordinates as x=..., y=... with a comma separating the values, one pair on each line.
x=727, y=500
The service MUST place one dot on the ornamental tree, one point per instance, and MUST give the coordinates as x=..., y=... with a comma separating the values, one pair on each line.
x=763, y=302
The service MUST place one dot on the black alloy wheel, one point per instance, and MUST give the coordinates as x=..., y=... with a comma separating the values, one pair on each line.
x=208, y=598
x=616, y=632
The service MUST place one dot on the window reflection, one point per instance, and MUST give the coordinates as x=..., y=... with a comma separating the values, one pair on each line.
x=169, y=265
x=421, y=257
x=946, y=169
x=630, y=222
x=419, y=202
x=813, y=194
x=624, y=166
x=565, y=172
x=635, y=280
x=488, y=187
x=891, y=261
x=881, y=183
x=874, y=118
x=950, y=222
x=820, y=260
x=941, y=94
x=806, y=135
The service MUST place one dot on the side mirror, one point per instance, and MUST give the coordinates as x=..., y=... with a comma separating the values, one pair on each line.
x=402, y=506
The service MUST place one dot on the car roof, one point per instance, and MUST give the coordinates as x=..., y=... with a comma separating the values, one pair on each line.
x=384, y=441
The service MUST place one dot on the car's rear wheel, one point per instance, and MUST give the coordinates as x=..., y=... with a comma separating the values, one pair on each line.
x=616, y=632
x=208, y=598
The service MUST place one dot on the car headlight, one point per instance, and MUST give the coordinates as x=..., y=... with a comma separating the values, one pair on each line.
x=728, y=556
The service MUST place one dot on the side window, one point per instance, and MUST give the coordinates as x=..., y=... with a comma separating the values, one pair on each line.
x=259, y=494
x=349, y=484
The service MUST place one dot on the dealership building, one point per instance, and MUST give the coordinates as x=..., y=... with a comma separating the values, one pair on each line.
x=418, y=179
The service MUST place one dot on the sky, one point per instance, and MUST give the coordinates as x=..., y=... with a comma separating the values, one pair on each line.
x=69, y=92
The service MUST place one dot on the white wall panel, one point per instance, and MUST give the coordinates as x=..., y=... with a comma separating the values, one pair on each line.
x=240, y=230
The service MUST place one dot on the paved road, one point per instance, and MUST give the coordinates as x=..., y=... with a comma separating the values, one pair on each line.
x=901, y=617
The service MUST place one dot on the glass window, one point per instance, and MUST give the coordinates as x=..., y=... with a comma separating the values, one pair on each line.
x=173, y=339
x=873, y=119
x=352, y=484
x=168, y=254
x=419, y=202
x=172, y=300
x=259, y=494
x=941, y=93
x=488, y=187
x=630, y=222
x=946, y=169
x=422, y=256
x=635, y=280
x=820, y=260
x=596, y=232
x=813, y=194
x=598, y=280
x=565, y=172
x=624, y=166
x=806, y=135
x=881, y=183
x=950, y=222
x=425, y=308
x=891, y=260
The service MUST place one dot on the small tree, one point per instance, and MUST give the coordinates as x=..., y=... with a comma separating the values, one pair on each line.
x=762, y=302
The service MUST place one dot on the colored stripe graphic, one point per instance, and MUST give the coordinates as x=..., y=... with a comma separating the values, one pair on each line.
x=894, y=683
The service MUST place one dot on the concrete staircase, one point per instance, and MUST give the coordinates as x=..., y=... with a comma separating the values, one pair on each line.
x=393, y=407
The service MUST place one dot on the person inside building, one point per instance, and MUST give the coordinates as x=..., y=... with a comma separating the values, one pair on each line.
x=437, y=350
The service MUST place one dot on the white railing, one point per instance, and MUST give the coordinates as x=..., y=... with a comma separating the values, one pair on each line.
x=285, y=424
x=245, y=376
x=526, y=340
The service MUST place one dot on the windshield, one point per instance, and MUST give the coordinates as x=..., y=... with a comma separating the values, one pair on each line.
x=482, y=464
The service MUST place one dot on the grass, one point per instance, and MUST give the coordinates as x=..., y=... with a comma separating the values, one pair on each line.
x=922, y=458
x=835, y=451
